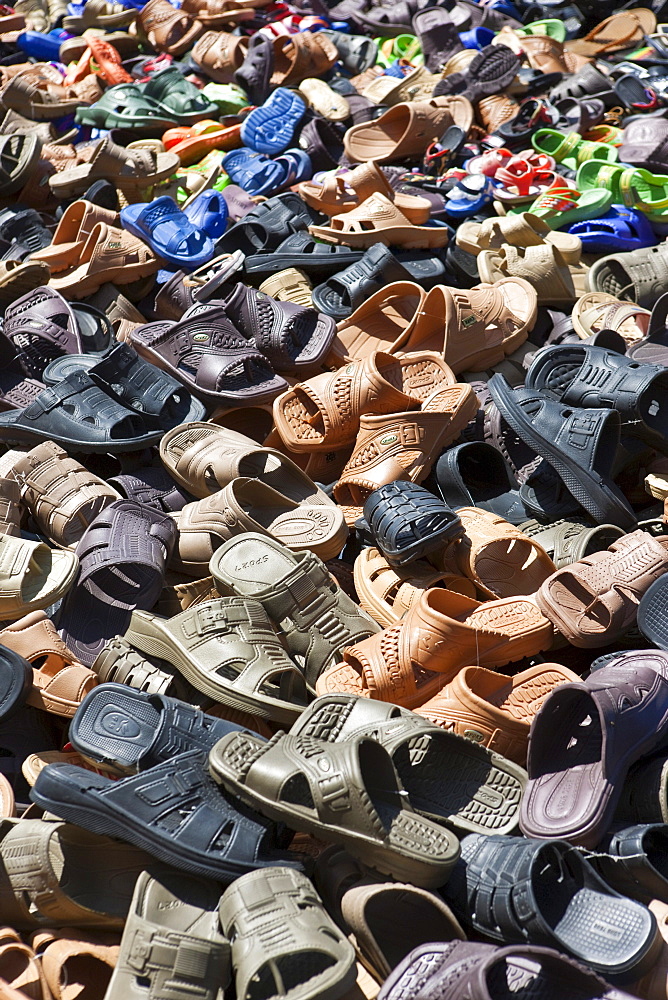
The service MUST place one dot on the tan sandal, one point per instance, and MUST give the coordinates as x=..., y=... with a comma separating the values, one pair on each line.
x=377, y=325
x=418, y=85
x=339, y=193
x=556, y=283
x=324, y=100
x=20, y=968
x=499, y=558
x=60, y=682
x=32, y=576
x=473, y=329
x=297, y=57
x=76, y=964
x=409, y=662
x=220, y=54
x=523, y=230
x=620, y=31
x=378, y=220
x=387, y=592
x=10, y=507
x=204, y=458
x=403, y=445
x=109, y=254
x=495, y=710
x=406, y=129
x=596, y=311
x=75, y=226
x=168, y=29
x=62, y=496
x=250, y=505
x=289, y=285
x=323, y=413
x=221, y=13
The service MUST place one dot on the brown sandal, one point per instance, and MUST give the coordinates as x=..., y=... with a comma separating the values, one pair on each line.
x=220, y=54
x=594, y=601
x=387, y=592
x=62, y=496
x=60, y=682
x=495, y=710
x=339, y=193
x=378, y=220
x=406, y=129
x=168, y=29
x=75, y=226
x=323, y=413
x=622, y=30
x=404, y=445
x=500, y=559
x=76, y=964
x=409, y=662
x=297, y=57
x=474, y=329
x=218, y=13
x=20, y=968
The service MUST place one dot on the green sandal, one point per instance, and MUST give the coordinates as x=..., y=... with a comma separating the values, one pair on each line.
x=125, y=106
x=561, y=206
x=572, y=149
x=404, y=46
x=614, y=177
x=550, y=26
x=178, y=98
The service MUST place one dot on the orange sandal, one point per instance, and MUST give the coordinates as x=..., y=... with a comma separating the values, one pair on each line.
x=192, y=143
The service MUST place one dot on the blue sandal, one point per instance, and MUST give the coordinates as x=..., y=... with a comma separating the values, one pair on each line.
x=255, y=172
x=621, y=228
x=271, y=128
x=168, y=232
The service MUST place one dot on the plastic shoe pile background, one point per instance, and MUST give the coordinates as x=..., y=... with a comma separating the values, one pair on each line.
x=333, y=459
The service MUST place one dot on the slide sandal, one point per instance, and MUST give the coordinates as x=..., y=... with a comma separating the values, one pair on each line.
x=271, y=128
x=209, y=645
x=378, y=220
x=585, y=738
x=174, y=915
x=366, y=811
x=168, y=232
x=259, y=568
x=620, y=229
x=217, y=841
x=129, y=730
x=562, y=896
x=115, y=577
x=33, y=577
x=208, y=212
x=487, y=793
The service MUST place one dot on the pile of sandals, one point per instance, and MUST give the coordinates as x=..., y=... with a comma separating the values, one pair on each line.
x=333, y=500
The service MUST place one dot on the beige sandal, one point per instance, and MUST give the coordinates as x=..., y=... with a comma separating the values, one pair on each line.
x=204, y=458
x=500, y=559
x=556, y=283
x=62, y=496
x=377, y=325
x=387, y=592
x=596, y=311
x=523, y=230
x=250, y=505
x=32, y=576
x=406, y=129
x=378, y=220
x=324, y=100
x=75, y=226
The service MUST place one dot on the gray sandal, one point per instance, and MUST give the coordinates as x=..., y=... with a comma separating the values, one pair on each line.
x=483, y=790
x=172, y=941
x=311, y=614
x=345, y=793
x=284, y=943
x=568, y=541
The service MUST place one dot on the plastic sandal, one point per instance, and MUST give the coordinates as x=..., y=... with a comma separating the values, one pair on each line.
x=463, y=964
x=15, y=686
x=520, y=181
x=34, y=577
x=588, y=602
x=74, y=227
x=168, y=29
x=378, y=323
x=620, y=31
x=571, y=150
x=378, y=220
x=179, y=99
x=208, y=212
x=192, y=143
x=476, y=474
x=551, y=429
x=168, y=232
x=339, y=718
x=256, y=173
x=270, y=129
x=369, y=391
x=406, y=129
x=115, y=578
x=621, y=228
x=523, y=230
x=299, y=56
x=220, y=54
x=200, y=350
x=495, y=710
x=257, y=773
x=568, y=541
x=18, y=158
x=108, y=255
x=129, y=168
x=399, y=667
x=175, y=914
x=303, y=626
x=260, y=903
x=125, y=106
x=640, y=275
x=342, y=192
x=556, y=283
x=604, y=751
x=560, y=206
x=125, y=808
x=407, y=522
x=254, y=506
